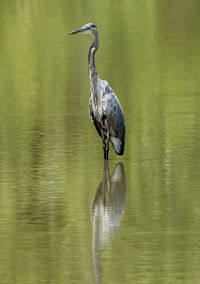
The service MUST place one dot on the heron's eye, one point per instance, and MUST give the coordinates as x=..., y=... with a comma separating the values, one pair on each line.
x=93, y=26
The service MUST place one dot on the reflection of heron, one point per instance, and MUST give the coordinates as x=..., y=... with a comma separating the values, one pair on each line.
x=106, y=211
x=105, y=109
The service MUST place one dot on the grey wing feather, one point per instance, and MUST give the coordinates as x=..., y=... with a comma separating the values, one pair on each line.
x=115, y=117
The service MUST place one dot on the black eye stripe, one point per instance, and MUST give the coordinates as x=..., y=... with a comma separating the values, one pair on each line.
x=92, y=26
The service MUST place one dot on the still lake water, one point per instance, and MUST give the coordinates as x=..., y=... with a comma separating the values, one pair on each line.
x=65, y=217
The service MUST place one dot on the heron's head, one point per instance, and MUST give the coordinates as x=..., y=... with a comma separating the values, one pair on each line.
x=86, y=29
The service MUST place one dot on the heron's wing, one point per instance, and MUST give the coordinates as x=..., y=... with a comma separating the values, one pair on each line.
x=114, y=114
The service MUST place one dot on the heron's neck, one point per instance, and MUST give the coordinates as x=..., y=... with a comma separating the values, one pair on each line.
x=91, y=60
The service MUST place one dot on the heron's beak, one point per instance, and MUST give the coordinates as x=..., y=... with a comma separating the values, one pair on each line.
x=77, y=31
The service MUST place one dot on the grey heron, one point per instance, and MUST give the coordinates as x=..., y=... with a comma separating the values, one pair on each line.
x=104, y=107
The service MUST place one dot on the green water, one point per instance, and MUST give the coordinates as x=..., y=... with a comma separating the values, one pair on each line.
x=64, y=216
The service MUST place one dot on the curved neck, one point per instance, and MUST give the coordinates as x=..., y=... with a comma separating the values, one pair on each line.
x=93, y=49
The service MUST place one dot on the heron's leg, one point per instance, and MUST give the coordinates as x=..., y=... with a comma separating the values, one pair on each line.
x=107, y=147
x=104, y=143
x=105, y=153
x=107, y=142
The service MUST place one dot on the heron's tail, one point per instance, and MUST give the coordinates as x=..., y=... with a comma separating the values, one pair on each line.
x=118, y=145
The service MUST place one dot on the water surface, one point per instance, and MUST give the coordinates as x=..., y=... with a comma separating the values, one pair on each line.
x=65, y=216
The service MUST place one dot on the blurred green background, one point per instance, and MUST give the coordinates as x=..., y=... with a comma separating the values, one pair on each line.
x=51, y=158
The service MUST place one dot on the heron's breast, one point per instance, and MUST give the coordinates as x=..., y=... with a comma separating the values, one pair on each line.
x=97, y=108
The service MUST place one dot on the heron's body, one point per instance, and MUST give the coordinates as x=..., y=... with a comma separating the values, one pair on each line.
x=104, y=107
